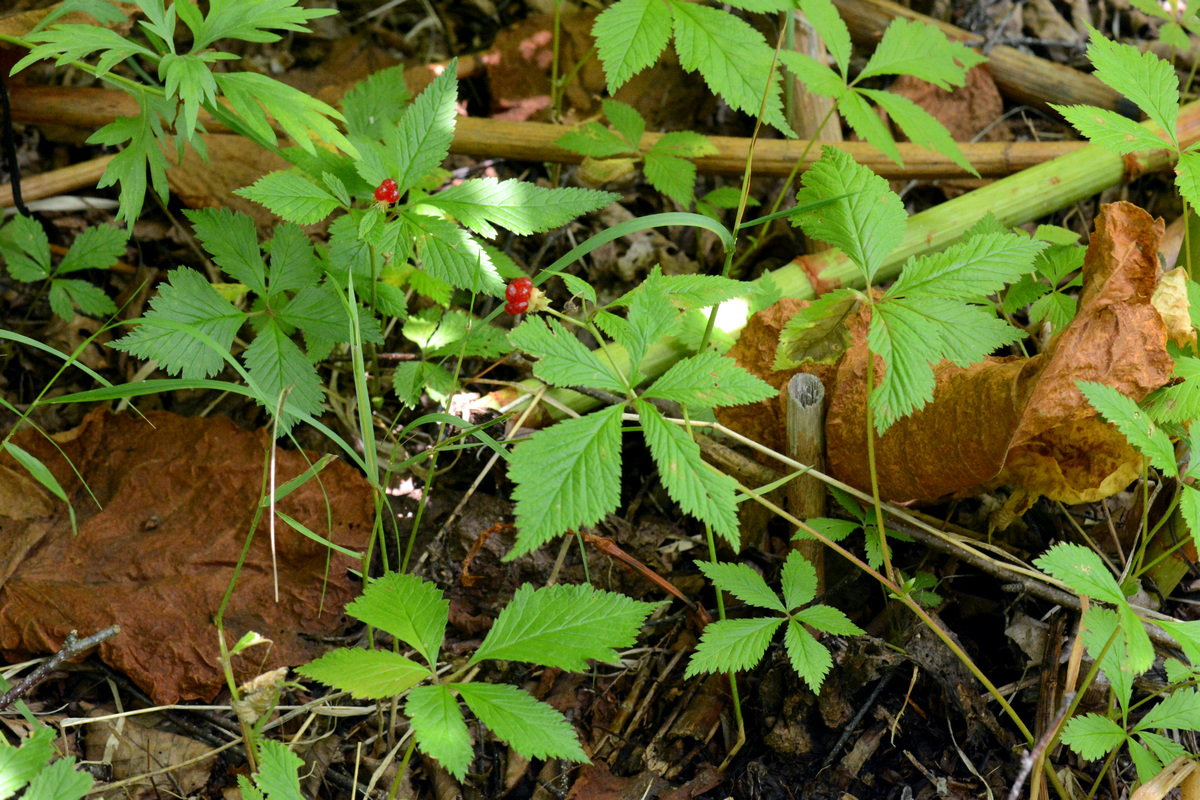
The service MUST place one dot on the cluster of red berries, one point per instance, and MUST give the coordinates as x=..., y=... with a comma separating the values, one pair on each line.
x=517, y=295
x=387, y=192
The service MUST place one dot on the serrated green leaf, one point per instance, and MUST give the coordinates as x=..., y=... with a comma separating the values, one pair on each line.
x=59, y=781
x=1082, y=570
x=630, y=36
x=67, y=43
x=732, y=57
x=25, y=247
x=1023, y=292
x=675, y=177
x=626, y=120
x=708, y=380
x=253, y=22
x=189, y=298
x=799, y=580
x=278, y=769
x=91, y=300
x=1187, y=634
x=319, y=315
x=292, y=197
x=818, y=331
x=583, y=456
x=520, y=206
x=189, y=79
x=407, y=607
x=1134, y=424
x=376, y=103
x=818, y=78
x=412, y=378
x=699, y=489
x=809, y=657
x=684, y=144
x=830, y=620
x=835, y=529
x=1099, y=625
x=921, y=127
x=645, y=321
x=578, y=287
x=1189, y=507
x=439, y=727
x=1178, y=710
x=1147, y=765
x=1110, y=130
x=698, y=291
x=742, y=582
x=96, y=248
x=1144, y=78
x=724, y=197
x=732, y=645
x=1092, y=736
x=921, y=50
x=366, y=674
x=278, y=366
x=253, y=96
x=594, y=140
x=1058, y=261
x=422, y=140
x=977, y=267
x=142, y=152
x=248, y=790
x=564, y=626
x=1056, y=308
x=562, y=358
x=867, y=123
x=1165, y=751
x=866, y=223
x=19, y=765
x=294, y=264
x=1187, y=178
x=452, y=256
x=828, y=24
x=231, y=240
x=534, y=729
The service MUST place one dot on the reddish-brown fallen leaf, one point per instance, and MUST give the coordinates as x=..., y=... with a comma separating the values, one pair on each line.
x=178, y=495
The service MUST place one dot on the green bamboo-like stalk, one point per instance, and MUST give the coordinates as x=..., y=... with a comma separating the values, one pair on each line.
x=1015, y=200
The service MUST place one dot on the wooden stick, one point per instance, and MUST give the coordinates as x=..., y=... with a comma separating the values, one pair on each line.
x=60, y=181
x=1023, y=77
x=806, y=444
x=534, y=141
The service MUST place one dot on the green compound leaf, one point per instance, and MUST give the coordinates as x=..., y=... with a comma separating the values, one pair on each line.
x=732, y=57
x=188, y=298
x=519, y=206
x=91, y=299
x=231, y=240
x=292, y=197
x=1178, y=710
x=799, y=579
x=1144, y=78
x=59, y=781
x=366, y=674
x=688, y=292
x=732, y=645
x=1133, y=423
x=630, y=36
x=278, y=771
x=673, y=176
x=439, y=727
x=828, y=24
x=423, y=137
x=976, y=267
x=26, y=249
x=534, y=729
x=818, y=78
x=709, y=380
x=867, y=123
x=1092, y=736
x=451, y=255
x=699, y=489
x=376, y=103
x=684, y=144
x=67, y=43
x=564, y=626
x=96, y=248
x=595, y=140
x=627, y=121
x=1180, y=402
x=253, y=97
x=142, y=152
x=1056, y=308
x=19, y=765
x=1081, y=570
x=866, y=223
x=923, y=51
x=567, y=476
x=818, y=331
x=742, y=582
x=921, y=127
x=279, y=366
x=294, y=263
x=809, y=657
x=252, y=22
x=411, y=609
x=830, y=620
x=1109, y=129
x=189, y=79
x=1187, y=178
x=562, y=359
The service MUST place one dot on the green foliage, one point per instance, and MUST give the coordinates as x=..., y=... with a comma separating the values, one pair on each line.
x=557, y=626
x=839, y=529
x=1044, y=289
x=25, y=768
x=935, y=311
x=666, y=163
x=739, y=644
x=26, y=250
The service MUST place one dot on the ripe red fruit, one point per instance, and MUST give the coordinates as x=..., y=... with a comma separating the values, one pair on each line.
x=518, y=289
x=516, y=306
x=387, y=192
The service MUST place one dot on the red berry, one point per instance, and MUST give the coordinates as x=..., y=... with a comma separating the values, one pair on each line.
x=516, y=306
x=387, y=192
x=518, y=289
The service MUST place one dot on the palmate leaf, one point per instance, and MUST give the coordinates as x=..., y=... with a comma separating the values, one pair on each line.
x=411, y=609
x=742, y=582
x=809, y=657
x=645, y=322
x=567, y=476
x=439, y=727
x=818, y=78
x=689, y=292
x=252, y=22
x=376, y=103
x=142, y=133
x=866, y=222
x=595, y=140
x=91, y=299
x=534, y=729
x=520, y=206
x=699, y=489
x=630, y=36
x=709, y=380
x=562, y=359
x=922, y=51
x=1110, y=130
x=189, y=298
x=1180, y=402
x=253, y=96
x=189, y=79
x=1092, y=736
x=733, y=645
x=366, y=674
x=830, y=620
x=732, y=57
x=818, y=331
x=1133, y=423
x=1144, y=78
x=294, y=263
x=1178, y=710
x=278, y=366
x=26, y=248
x=564, y=626
x=66, y=43
x=98, y=247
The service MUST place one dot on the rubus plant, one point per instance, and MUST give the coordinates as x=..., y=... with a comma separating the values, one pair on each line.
x=1055, y=272
x=554, y=626
x=28, y=769
x=666, y=164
